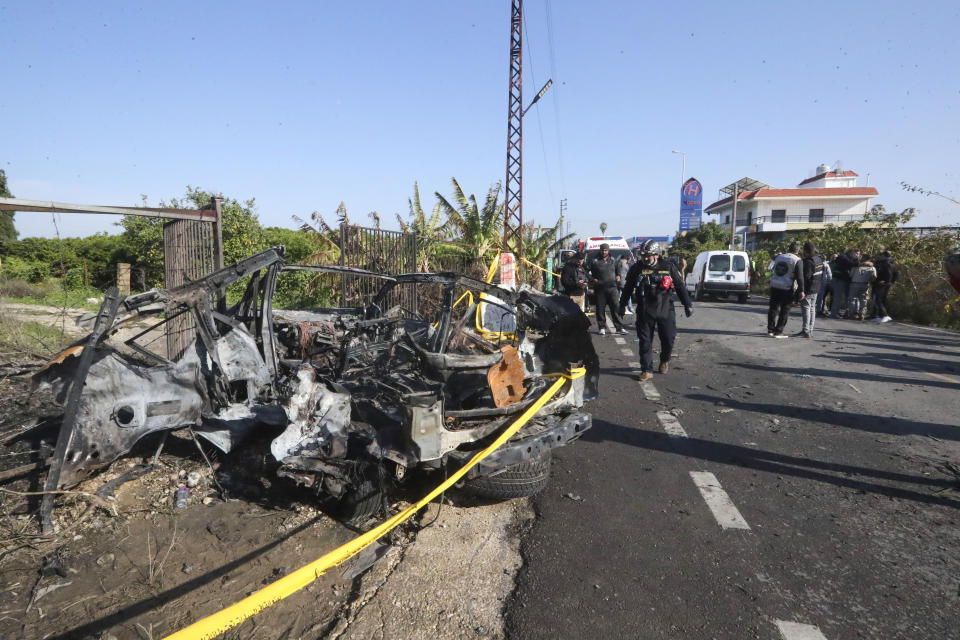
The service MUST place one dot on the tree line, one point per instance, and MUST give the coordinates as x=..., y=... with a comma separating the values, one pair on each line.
x=460, y=233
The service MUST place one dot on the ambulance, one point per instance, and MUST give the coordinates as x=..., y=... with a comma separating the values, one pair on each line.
x=591, y=248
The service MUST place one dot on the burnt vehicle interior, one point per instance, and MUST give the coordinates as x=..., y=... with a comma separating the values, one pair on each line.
x=357, y=397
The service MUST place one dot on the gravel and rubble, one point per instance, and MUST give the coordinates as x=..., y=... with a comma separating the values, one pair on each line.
x=124, y=562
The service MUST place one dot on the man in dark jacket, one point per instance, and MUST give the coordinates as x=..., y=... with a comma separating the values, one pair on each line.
x=573, y=277
x=652, y=281
x=886, y=276
x=604, y=273
x=813, y=266
x=841, y=268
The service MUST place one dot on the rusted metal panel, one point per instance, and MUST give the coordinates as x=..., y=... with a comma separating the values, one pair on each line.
x=380, y=251
x=190, y=253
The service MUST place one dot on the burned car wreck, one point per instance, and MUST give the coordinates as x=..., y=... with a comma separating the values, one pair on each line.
x=357, y=397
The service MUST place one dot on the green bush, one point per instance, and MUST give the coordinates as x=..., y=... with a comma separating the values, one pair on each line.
x=32, y=271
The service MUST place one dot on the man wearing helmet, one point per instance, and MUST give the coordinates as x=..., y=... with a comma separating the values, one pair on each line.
x=652, y=281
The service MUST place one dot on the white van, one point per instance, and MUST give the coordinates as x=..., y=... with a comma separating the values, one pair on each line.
x=720, y=273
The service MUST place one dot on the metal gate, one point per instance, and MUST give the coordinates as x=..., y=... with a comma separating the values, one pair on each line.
x=390, y=252
x=190, y=252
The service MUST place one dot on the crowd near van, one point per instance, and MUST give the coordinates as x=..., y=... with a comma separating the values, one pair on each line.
x=720, y=273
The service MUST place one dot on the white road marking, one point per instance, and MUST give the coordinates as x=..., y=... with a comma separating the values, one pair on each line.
x=797, y=631
x=942, y=377
x=671, y=425
x=619, y=340
x=626, y=351
x=650, y=391
x=719, y=502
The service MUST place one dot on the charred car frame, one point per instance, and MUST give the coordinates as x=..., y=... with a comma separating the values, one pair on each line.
x=356, y=395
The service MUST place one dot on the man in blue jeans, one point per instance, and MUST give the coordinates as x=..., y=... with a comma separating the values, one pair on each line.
x=813, y=267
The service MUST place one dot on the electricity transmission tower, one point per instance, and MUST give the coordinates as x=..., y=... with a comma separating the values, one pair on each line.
x=513, y=198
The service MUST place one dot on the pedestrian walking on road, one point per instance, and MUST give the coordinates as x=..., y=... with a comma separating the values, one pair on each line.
x=787, y=272
x=813, y=269
x=861, y=277
x=651, y=282
x=623, y=268
x=604, y=273
x=886, y=276
x=841, y=267
x=573, y=277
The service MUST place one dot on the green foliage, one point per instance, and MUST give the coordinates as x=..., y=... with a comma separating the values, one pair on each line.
x=143, y=242
x=294, y=289
x=538, y=243
x=477, y=230
x=709, y=237
x=31, y=271
x=431, y=231
x=8, y=232
x=242, y=233
x=91, y=260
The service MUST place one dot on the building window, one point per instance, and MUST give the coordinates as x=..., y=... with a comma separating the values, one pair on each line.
x=816, y=215
x=726, y=220
x=749, y=217
x=778, y=215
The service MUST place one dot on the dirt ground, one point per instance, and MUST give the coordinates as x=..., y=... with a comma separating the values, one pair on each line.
x=126, y=563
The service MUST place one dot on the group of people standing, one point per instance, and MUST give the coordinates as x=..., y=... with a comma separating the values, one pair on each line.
x=808, y=279
x=648, y=286
x=853, y=278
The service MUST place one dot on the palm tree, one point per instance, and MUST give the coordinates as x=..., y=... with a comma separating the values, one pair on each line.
x=478, y=228
x=431, y=231
x=538, y=244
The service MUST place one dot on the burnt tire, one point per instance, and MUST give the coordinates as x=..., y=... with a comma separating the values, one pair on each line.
x=360, y=502
x=516, y=481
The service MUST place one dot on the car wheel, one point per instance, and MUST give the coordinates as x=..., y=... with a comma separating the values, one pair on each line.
x=742, y=298
x=516, y=481
x=698, y=292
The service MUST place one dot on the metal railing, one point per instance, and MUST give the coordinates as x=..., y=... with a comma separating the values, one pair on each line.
x=390, y=252
x=803, y=218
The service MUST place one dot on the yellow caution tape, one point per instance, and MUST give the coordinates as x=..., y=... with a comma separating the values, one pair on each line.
x=213, y=625
x=536, y=266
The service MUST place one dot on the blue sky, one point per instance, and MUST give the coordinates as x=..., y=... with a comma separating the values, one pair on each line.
x=302, y=105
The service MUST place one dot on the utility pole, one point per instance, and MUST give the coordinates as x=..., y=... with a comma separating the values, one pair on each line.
x=513, y=198
x=733, y=216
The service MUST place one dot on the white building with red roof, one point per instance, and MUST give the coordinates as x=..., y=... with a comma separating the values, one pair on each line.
x=829, y=197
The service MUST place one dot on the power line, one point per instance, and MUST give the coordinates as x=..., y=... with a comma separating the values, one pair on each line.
x=556, y=95
x=533, y=77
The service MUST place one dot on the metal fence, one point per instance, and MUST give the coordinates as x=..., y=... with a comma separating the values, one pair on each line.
x=189, y=252
x=390, y=252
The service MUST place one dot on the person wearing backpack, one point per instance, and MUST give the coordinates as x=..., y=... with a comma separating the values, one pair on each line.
x=787, y=272
x=813, y=270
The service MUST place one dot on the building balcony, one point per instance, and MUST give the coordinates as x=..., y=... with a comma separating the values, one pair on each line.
x=798, y=221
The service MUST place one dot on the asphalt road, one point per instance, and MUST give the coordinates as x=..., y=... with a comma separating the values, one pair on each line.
x=795, y=489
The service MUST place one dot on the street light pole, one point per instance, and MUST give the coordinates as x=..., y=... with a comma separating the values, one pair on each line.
x=683, y=165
